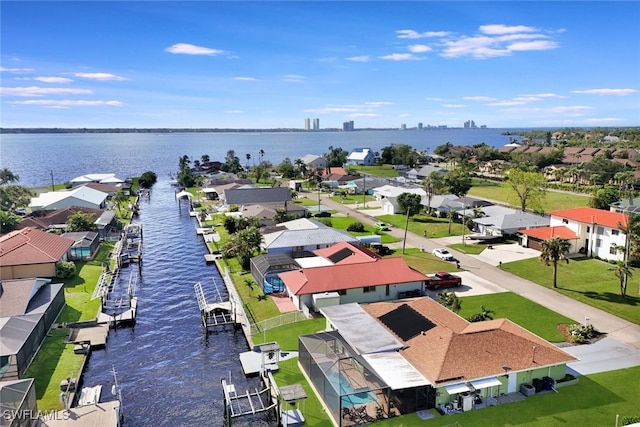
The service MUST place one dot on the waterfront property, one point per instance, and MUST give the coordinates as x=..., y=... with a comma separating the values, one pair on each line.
x=348, y=274
x=29, y=308
x=301, y=236
x=416, y=354
x=56, y=220
x=361, y=156
x=85, y=197
x=85, y=245
x=31, y=253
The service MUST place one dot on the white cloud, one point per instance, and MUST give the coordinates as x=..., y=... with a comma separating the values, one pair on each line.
x=377, y=103
x=553, y=110
x=99, y=76
x=411, y=34
x=190, y=49
x=435, y=99
x=360, y=58
x=16, y=70
x=479, y=98
x=617, y=92
x=69, y=103
x=41, y=91
x=246, y=79
x=400, y=57
x=532, y=45
x=419, y=48
x=293, y=78
x=365, y=115
x=45, y=79
x=454, y=106
x=604, y=120
x=497, y=29
x=543, y=95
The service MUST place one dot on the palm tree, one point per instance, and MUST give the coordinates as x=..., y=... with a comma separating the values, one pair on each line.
x=261, y=152
x=7, y=177
x=623, y=272
x=554, y=250
x=248, y=156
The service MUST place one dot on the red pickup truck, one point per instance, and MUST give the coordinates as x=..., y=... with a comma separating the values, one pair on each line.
x=443, y=279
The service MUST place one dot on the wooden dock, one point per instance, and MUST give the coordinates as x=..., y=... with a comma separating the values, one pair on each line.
x=124, y=318
x=95, y=336
x=105, y=414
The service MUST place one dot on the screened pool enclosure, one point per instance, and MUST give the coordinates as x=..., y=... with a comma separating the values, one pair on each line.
x=350, y=389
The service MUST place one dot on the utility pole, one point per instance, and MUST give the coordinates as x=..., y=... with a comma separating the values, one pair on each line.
x=53, y=187
x=406, y=226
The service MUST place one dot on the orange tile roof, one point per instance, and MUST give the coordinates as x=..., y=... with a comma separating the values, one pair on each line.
x=383, y=271
x=31, y=246
x=455, y=349
x=545, y=233
x=593, y=216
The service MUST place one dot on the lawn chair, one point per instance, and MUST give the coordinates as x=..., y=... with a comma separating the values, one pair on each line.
x=363, y=415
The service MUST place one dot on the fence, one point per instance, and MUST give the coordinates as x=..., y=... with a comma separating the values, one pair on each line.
x=274, y=322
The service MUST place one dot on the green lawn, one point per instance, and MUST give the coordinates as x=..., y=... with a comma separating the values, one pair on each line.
x=587, y=280
x=594, y=401
x=54, y=362
x=352, y=199
x=425, y=262
x=384, y=171
x=418, y=224
x=531, y=316
x=473, y=249
x=79, y=289
x=342, y=223
x=287, y=335
x=554, y=200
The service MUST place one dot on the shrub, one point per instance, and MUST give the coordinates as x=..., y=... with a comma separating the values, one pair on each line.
x=630, y=420
x=326, y=221
x=356, y=227
x=581, y=333
x=65, y=269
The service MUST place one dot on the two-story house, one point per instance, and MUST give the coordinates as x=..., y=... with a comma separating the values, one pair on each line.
x=361, y=156
x=599, y=232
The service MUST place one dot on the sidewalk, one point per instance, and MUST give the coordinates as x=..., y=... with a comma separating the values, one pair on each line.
x=620, y=329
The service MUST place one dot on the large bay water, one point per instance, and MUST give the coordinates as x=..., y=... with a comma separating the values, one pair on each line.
x=169, y=370
x=36, y=157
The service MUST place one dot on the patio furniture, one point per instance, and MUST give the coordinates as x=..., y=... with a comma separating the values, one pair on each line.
x=363, y=414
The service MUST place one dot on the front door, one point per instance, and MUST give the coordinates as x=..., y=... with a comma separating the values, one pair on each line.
x=512, y=382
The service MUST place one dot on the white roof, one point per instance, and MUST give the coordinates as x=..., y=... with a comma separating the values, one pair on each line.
x=395, y=370
x=93, y=177
x=314, y=261
x=485, y=383
x=393, y=191
x=82, y=193
x=359, y=154
x=301, y=224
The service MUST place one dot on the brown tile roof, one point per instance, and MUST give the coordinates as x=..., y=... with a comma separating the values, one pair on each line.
x=572, y=150
x=358, y=254
x=59, y=216
x=31, y=246
x=455, y=349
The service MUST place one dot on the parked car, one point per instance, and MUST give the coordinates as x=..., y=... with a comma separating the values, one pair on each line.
x=381, y=226
x=443, y=279
x=322, y=214
x=443, y=254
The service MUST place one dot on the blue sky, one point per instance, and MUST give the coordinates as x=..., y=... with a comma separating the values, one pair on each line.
x=272, y=64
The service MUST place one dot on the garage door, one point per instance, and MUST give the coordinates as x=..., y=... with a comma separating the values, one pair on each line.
x=534, y=244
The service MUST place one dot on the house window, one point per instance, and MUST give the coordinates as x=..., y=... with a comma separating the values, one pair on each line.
x=588, y=229
x=600, y=230
x=598, y=243
x=565, y=221
x=342, y=292
x=613, y=250
x=369, y=289
x=615, y=232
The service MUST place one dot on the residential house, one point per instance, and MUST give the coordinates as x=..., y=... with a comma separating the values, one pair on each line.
x=84, y=197
x=533, y=237
x=626, y=206
x=424, y=172
x=388, y=195
x=85, y=245
x=102, y=178
x=267, y=212
x=598, y=232
x=314, y=162
x=507, y=224
x=31, y=253
x=56, y=220
x=29, y=308
x=414, y=354
x=361, y=156
x=254, y=196
x=363, y=278
x=300, y=241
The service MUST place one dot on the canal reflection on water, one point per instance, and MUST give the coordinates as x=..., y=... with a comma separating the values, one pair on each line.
x=168, y=369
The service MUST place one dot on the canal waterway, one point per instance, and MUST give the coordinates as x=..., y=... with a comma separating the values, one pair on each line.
x=168, y=369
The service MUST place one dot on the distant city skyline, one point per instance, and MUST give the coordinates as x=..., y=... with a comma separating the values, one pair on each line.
x=382, y=64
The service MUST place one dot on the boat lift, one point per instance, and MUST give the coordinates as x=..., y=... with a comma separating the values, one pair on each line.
x=219, y=313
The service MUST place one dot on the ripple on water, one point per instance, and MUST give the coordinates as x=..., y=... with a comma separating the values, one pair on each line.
x=168, y=369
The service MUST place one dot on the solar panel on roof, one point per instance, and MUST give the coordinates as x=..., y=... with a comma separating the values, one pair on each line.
x=340, y=255
x=405, y=322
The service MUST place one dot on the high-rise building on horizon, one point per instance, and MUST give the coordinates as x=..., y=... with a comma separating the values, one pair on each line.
x=470, y=124
x=420, y=126
x=307, y=124
x=347, y=126
x=316, y=124
x=403, y=127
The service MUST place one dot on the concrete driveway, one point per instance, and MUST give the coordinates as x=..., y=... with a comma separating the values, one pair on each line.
x=506, y=253
x=607, y=354
x=471, y=285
